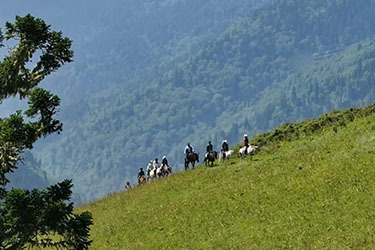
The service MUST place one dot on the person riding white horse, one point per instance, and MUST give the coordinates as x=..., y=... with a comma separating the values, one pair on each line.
x=245, y=142
x=251, y=150
x=224, y=149
x=150, y=167
x=157, y=167
x=156, y=163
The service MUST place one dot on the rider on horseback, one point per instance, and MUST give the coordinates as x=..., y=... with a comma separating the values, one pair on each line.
x=141, y=173
x=128, y=186
x=224, y=146
x=165, y=166
x=150, y=167
x=164, y=161
x=209, y=149
x=188, y=150
x=245, y=142
x=156, y=163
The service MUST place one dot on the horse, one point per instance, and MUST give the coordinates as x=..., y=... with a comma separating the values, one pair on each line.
x=225, y=155
x=158, y=172
x=166, y=170
x=141, y=180
x=250, y=151
x=191, y=158
x=210, y=157
x=151, y=171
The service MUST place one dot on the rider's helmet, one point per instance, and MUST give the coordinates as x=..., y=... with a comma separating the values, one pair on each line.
x=156, y=159
x=164, y=157
x=245, y=135
x=141, y=169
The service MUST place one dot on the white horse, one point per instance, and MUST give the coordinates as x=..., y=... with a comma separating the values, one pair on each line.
x=151, y=171
x=157, y=167
x=225, y=155
x=250, y=151
x=159, y=172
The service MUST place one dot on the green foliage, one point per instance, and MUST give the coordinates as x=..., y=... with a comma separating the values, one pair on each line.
x=32, y=217
x=33, y=35
x=313, y=192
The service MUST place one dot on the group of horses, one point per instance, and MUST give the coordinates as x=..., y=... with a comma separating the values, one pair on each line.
x=155, y=170
x=210, y=157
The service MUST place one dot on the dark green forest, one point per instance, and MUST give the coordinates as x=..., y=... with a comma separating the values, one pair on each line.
x=152, y=75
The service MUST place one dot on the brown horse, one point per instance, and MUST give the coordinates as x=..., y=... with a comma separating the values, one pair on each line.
x=210, y=158
x=141, y=180
x=166, y=170
x=191, y=158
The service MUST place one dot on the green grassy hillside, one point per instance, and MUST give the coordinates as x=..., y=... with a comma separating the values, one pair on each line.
x=311, y=186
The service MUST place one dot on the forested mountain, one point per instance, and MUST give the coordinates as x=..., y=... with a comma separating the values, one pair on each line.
x=150, y=76
x=115, y=42
x=29, y=174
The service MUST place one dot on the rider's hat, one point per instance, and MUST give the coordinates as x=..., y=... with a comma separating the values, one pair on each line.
x=164, y=157
x=245, y=135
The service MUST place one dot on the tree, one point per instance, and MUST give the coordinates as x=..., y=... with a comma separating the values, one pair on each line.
x=37, y=217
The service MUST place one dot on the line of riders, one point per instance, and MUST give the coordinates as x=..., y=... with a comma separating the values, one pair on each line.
x=154, y=170
x=157, y=170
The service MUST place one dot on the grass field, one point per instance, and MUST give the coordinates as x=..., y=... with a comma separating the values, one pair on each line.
x=311, y=191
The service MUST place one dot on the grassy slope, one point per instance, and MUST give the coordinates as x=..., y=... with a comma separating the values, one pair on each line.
x=315, y=192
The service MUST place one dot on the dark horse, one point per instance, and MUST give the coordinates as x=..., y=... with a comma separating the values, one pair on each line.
x=191, y=158
x=210, y=158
